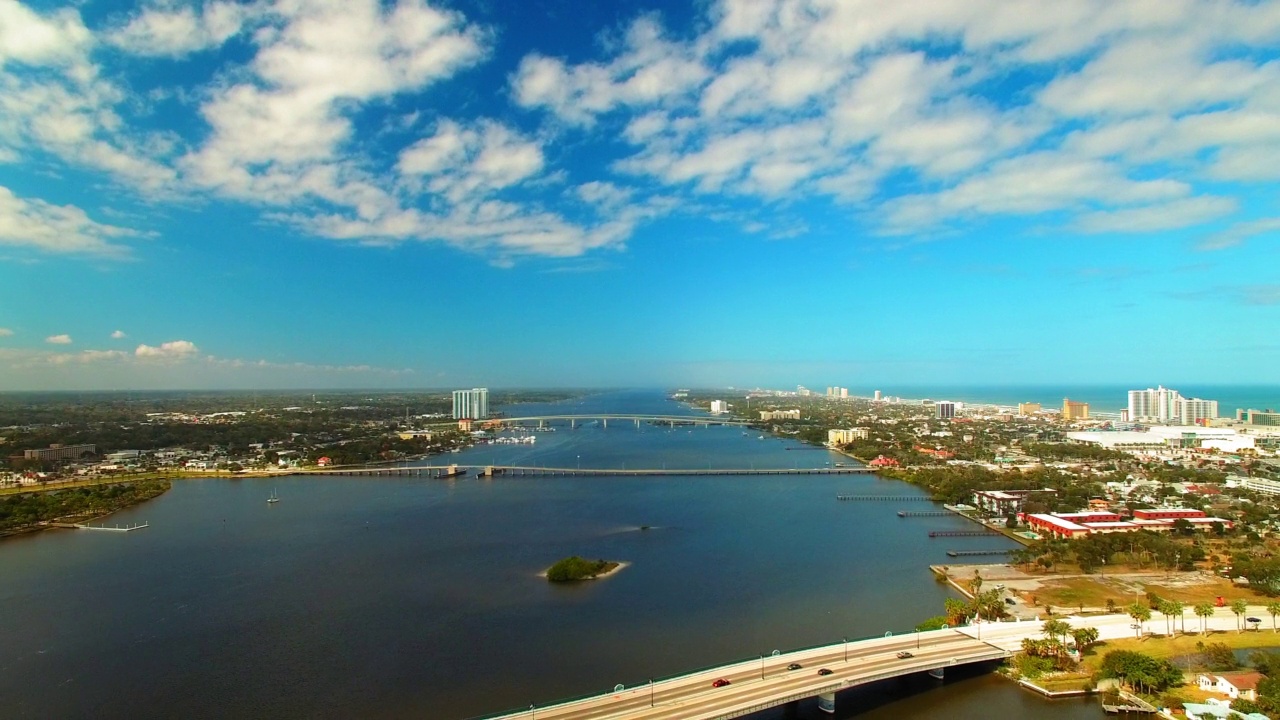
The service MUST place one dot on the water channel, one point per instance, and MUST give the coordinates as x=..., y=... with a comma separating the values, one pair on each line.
x=403, y=597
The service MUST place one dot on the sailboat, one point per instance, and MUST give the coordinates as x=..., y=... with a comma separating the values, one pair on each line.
x=273, y=498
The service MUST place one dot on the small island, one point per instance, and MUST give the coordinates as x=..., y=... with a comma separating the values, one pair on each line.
x=576, y=568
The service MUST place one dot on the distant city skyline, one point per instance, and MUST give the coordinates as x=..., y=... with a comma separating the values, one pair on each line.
x=541, y=193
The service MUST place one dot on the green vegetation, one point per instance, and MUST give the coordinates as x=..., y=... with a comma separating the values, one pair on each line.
x=1148, y=674
x=19, y=512
x=576, y=568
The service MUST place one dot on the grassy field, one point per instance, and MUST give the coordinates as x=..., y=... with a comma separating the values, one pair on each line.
x=1094, y=590
x=1182, y=645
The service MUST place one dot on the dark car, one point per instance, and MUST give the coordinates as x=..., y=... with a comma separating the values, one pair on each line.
x=794, y=666
x=720, y=682
x=904, y=655
x=824, y=671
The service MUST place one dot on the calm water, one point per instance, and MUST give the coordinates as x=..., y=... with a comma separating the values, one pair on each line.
x=414, y=598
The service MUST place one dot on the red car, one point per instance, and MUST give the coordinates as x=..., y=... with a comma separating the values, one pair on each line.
x=720, y=682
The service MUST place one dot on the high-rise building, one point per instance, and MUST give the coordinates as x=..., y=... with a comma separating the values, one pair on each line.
x=844, y=393
x=879, y=397
x=472, y=404
x=719, y=406
x=1074, y=410
x=944, y=409
x=1168, y=406
x=1028, y=408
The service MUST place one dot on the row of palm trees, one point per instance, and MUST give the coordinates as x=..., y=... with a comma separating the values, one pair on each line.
x=1174, y=609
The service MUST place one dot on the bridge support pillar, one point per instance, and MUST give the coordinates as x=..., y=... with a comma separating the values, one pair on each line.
x=827, y=703
x=606, y=422
x=542, y=424
x=938, y=673
x=637, y=423
x=573, y=424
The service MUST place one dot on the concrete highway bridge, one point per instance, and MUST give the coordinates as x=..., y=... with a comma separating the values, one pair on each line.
x=532, y=471
x=574, y=420
x=762, y=683
x=765, y=682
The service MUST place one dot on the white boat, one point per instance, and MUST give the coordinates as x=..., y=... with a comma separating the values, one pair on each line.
x=273, y=498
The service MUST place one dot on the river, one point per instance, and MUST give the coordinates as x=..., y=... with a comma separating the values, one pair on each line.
x=413, y=598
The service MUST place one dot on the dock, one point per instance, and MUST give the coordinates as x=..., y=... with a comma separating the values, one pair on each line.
x=116, y=528
x=963, y=533
x=924, y=513
x=897, y=498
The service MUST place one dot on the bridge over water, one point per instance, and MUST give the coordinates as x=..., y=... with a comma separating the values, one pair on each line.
x=573, y=420
x=534, y=471
x=764, y=682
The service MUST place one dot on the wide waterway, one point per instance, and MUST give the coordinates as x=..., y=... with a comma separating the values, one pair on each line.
x=414, y=598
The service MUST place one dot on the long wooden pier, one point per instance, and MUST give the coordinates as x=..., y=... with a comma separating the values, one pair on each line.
x=924, y=513
x=963, y=533
x=974, y=553
x=897, y=498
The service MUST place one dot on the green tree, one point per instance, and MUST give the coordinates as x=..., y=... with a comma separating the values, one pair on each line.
x=1239, y=607
x=1140, y=614
x=1204, y=610
x=1085, y=637
x=1273, y=608
x=1057, y=629
x=1177, y=608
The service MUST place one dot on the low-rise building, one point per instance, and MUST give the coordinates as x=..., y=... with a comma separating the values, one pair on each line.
x=60, y=453
x=844, y=436
x=1234, y=685
x=780, y=414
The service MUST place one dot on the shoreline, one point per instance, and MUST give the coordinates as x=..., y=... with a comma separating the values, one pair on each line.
x=60, y=521
x=619, y=566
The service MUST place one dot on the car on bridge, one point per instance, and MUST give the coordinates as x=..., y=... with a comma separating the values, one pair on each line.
x=823, y=671
x=720, y=682
x=904, y=655
x=794, y=666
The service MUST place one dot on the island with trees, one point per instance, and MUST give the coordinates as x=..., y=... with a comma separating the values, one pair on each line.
x=575, y=568
x=31, y=511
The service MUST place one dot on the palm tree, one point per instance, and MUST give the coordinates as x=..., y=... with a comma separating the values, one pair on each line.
x=1204, y=610
x=1273, y=607
x=1166, y=609
x=1177, y=608
x=1239, y=607
x=955, y=610
x=975, y=584
x=1085, y=637
x=1055, y=628
x=1140, y=614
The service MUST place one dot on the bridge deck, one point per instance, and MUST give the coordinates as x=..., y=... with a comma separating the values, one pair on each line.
x=518, y=470
x=760, y=684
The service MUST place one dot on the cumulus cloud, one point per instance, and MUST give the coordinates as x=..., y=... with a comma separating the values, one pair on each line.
x=5, y=332
x=61, y=229
x=172, y=350
x=118, y=335
x=63, y=339
x=175, y=31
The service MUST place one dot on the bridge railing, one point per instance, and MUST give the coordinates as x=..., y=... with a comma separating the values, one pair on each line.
x=723, y=667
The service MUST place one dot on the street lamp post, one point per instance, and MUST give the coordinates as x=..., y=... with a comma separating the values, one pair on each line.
x=533, y=712
x=762, y=667
x=846, y=649
x=650, y=692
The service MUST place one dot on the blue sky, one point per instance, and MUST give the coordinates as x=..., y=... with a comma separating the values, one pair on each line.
x=347, y=193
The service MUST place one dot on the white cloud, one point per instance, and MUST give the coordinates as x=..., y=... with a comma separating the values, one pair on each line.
x=175, y=31
x=5, y=332
x=1241, y=233
x=1179, y=213
x=118, y=335
x=63, y=229
x=27, y=37
x=63, y=339
x=172, y=350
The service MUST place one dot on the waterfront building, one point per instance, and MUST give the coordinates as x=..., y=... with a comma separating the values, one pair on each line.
x=60, y=453
x=1164, y=405
x=1028, y=408
x=944, y=409
x=844, y=393
x=838, y=436
x=1074, y=410
x=780, y=414
x=473, y=404
x=1004, y=502
x=878, y=396
x=1259, y=417
x=1069, y=526
x=719, y=406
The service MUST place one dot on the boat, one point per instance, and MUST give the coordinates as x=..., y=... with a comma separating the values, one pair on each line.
x=273, y=498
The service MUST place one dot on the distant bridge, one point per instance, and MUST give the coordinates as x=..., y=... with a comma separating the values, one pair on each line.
x=532, y=471
x=573, y=420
